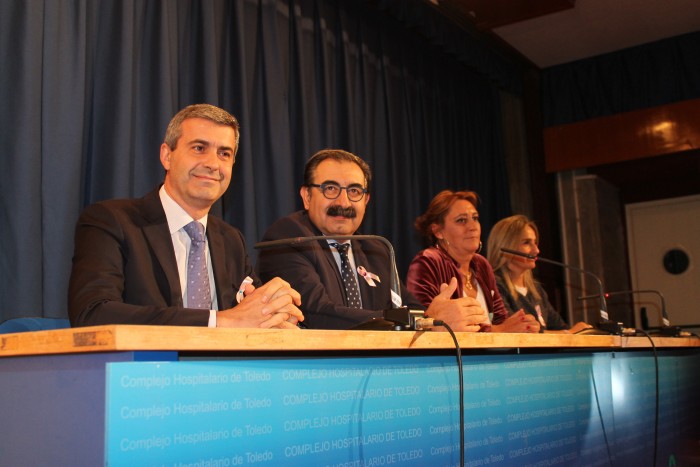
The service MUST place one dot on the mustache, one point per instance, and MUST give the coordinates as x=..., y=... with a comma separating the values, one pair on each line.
x=348, y=212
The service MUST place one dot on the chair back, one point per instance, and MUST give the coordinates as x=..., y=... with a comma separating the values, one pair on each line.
x=32, y=324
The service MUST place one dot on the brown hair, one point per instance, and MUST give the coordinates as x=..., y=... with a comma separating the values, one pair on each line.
x=437, y=210
x=205, y=111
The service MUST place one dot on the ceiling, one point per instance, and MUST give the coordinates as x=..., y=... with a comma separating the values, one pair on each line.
x=552, y=32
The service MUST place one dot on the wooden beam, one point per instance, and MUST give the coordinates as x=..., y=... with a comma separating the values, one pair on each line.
x=639, y=134
x=490, y=14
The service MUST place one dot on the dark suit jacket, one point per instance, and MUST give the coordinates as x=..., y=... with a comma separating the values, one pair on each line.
x=311, y=269
x=125, y=272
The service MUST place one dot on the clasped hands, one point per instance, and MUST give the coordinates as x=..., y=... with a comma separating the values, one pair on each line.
x=274, y=304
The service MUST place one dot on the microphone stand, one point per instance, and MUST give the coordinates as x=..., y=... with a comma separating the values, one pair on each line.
x=604, y=325
x=666, y=329
x=400, y=317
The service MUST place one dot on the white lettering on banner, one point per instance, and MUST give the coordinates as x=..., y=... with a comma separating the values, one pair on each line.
x=200, y=379
x=532, y=380
x=541, y=430
x=410, y=455
x=527, y=398
x=442, y=429
x=146, y=413
x=445, y=449
x=337, y=373
x=257, y=403
x=514, y=417
x=144, y=382
x=253, y=457
x=409, y=434
x=154, y=442
x=200, y=407
x=441, y=369
x=406, y=390
x=256, y=376
x=449, y=387
x=306, y=423
x=443, y=409
x=325, y=373
x=557, y=443
x=211, y=462
x=307, y=448
x=255, y=430
x=200, y=437
x=305, y=398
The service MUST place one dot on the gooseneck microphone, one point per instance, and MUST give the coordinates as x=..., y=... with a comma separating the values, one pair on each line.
x=400, y=317
x=666, y=329
x=297, y=240
x=605, y=325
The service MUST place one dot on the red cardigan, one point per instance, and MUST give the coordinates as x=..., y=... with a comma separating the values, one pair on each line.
x=432, y=267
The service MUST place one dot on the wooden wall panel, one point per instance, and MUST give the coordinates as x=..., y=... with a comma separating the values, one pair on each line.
x=623, y=137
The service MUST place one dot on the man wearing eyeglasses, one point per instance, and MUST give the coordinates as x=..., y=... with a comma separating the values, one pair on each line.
x=343, y=286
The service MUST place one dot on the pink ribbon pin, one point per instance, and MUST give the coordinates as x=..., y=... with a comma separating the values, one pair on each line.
x=368, y=276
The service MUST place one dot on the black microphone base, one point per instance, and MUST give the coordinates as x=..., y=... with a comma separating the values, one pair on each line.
x=603, y=328
x=393, y=319
x=670, y=331
x=610, y=327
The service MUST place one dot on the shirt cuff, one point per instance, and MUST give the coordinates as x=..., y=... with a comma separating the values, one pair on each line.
x=212, y=319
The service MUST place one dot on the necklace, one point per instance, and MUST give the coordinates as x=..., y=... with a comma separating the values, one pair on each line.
x=468, y=280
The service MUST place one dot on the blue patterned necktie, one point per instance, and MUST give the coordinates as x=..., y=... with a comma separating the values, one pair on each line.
x=198, y=290
x=352, y=292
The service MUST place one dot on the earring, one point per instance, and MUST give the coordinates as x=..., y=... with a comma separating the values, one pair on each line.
x=481, y=245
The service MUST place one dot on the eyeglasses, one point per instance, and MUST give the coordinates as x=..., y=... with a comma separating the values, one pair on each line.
x=332, y=190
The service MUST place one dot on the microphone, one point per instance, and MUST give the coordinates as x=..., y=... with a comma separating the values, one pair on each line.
x=605, y=325
x=399, y=318
x=666, y=329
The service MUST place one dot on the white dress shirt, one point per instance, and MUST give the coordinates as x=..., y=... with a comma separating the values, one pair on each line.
x=177, y=220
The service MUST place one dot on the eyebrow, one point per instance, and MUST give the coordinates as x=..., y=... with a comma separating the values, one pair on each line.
x=336, y=183
x=208, y=144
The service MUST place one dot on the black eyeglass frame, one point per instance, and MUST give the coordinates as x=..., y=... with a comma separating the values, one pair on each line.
x=323, y=187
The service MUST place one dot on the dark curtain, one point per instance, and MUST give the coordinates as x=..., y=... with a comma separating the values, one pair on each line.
x=87, y=89
x=649, y=75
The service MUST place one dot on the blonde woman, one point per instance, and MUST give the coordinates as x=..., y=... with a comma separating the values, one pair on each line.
x=514, y=273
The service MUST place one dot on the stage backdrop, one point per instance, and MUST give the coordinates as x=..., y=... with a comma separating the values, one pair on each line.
x=87, y=89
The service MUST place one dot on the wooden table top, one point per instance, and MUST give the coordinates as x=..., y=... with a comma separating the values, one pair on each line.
x=118, y=338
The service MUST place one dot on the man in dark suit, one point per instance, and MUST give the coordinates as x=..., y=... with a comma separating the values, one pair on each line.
x=133, y=256
x=335, y=195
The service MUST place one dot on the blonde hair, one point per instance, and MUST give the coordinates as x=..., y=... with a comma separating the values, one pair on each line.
x=507, y=233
